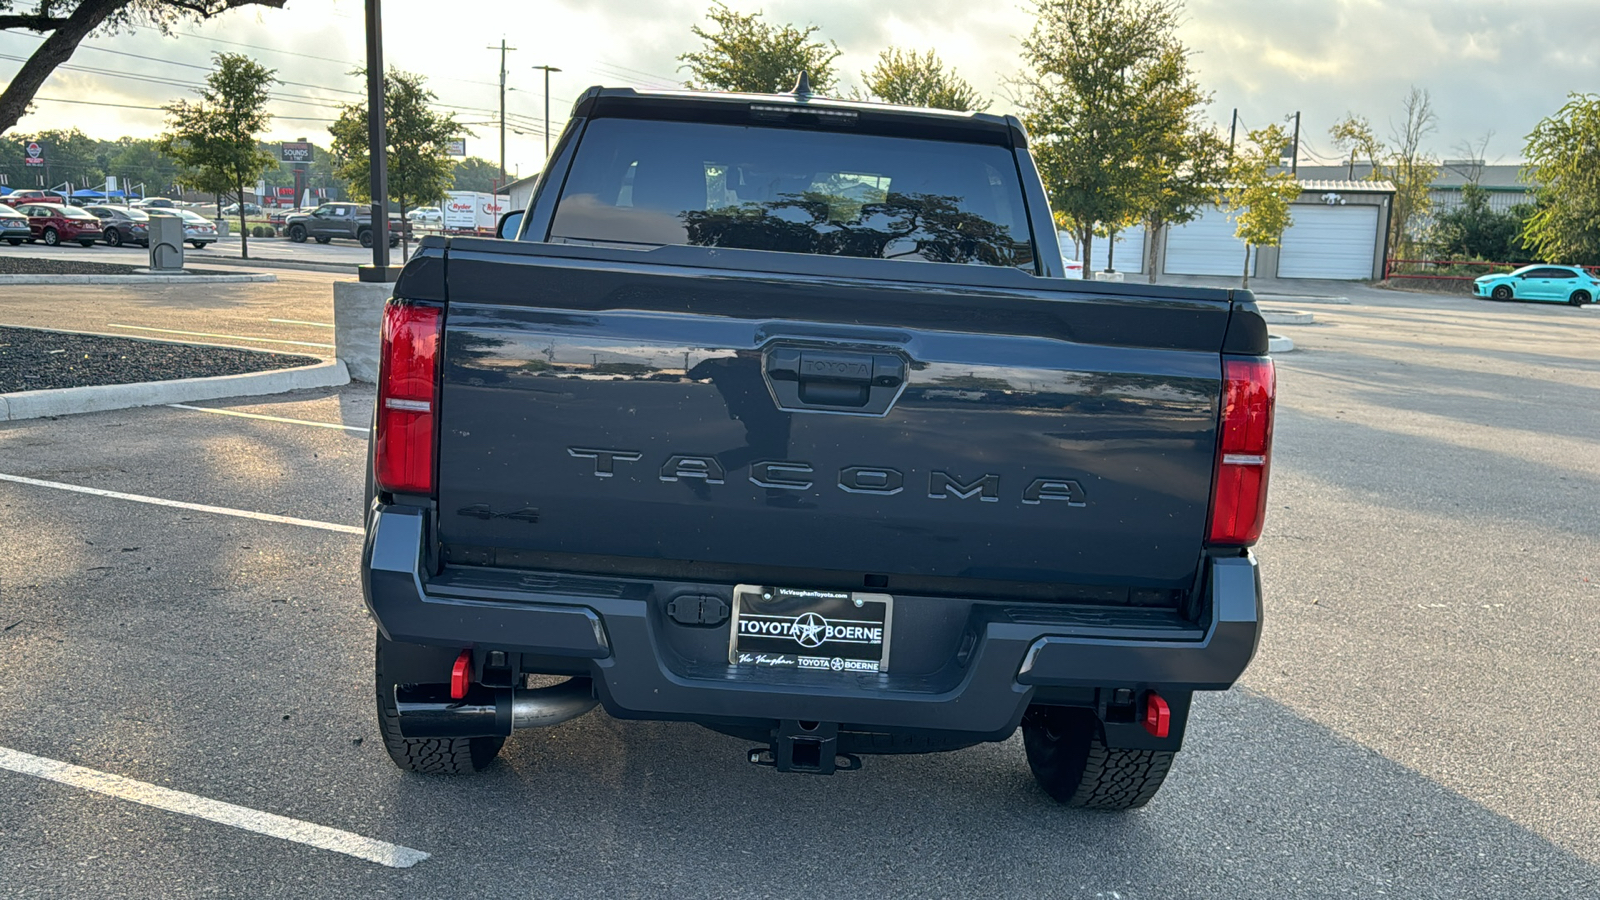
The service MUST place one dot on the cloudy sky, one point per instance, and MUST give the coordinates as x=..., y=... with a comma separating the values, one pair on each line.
x=1491, y=66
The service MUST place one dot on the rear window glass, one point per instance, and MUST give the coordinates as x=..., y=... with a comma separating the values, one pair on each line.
x=651, y=183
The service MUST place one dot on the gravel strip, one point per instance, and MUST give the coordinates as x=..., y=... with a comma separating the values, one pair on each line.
x=34, y=360
x=34, y=265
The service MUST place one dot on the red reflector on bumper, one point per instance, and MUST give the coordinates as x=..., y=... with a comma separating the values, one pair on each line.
x=461, y=676
x=1157, y=716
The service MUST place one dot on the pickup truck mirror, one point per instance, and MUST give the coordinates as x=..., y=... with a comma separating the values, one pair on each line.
x=510, y=224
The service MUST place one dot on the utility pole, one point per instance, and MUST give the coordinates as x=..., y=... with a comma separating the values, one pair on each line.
x=1294, y=155
x=377, y=151
x=503, y=48
x=1233, y=131
x=547, y=71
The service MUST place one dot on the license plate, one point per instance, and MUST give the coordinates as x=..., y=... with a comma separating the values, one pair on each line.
x=798, y=628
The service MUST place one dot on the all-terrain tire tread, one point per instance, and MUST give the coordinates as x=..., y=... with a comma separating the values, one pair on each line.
x=429, y=756
x=1078, y=769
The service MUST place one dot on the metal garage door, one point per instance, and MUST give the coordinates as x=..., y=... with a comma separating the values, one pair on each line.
x=1206, y=246
x=1329, y=242
x=1130, y=251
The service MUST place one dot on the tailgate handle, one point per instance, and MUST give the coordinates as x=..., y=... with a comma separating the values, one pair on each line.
x=833, y=380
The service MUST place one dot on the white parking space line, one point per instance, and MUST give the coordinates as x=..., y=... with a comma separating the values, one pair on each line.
x=241, y=817
x=179, y=504
x=302, y=322
x=236, y=337
x=245, y=415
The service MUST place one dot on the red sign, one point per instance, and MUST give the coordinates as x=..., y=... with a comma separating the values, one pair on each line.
x=35, y=155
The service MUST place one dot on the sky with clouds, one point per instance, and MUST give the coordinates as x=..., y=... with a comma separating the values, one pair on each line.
x=1491, y=66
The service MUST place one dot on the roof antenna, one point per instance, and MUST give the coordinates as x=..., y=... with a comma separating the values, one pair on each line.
x=802, y=85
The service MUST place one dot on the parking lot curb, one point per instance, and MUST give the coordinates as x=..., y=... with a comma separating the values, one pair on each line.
x=1279, y=344
x=100, y=398
x=196, y=278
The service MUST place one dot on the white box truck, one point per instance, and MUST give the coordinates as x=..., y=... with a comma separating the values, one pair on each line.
x=473, y=212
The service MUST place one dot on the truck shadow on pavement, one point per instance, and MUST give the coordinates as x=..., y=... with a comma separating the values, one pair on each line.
x=1262, y=803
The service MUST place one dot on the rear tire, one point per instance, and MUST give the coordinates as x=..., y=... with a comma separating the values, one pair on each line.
x=114, y=237
x=1070, y=760
x=1578, y=298
x=323, y=240
x=15, y=242
x=366, y=239
x=51, y=238
x=86, y=243
x=297, y=233
x=1501, y=292
x=426, y=756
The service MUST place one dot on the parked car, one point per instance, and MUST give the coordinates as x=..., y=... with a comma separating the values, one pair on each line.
x=709, y=484
x=55, y=222
x=197, y=229
x=157, y=203
x=279, y=217
x=13, y=226
x=120, y=225
x=250, y=209
x=1553, y=284
x=18, y=197
x=341, y=220
x=426, y=215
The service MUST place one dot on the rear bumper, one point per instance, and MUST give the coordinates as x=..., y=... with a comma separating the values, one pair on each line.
x=620, y=641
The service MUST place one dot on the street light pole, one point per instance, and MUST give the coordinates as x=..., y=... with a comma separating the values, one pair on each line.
x=547, y=71
x=379, y=271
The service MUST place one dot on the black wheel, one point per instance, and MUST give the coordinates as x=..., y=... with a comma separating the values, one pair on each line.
x=114, y=237
x=15, y=242
x=1578, y=298
x=1501, y=292
x=88, y=243
x=51, y=238
x=199, y=245
x=297, y=233
x=1070, y=760
x=366, y=238
x=426, y=756
x=323, y=240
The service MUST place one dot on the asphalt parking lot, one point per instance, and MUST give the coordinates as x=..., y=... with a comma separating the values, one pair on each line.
x=1418, y=723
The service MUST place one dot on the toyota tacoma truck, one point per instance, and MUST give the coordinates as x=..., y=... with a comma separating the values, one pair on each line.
x=775, y=415
x=340, y=220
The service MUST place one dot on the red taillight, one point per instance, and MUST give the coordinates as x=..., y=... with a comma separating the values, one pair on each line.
x=407, y=368
x=1244, y=452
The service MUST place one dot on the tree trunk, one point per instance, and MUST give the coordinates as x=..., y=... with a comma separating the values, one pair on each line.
x=405, y=242
x=1244, y=283
x=56, y=49
x=1111, y=251
x=1086, y=242
x=1152, y=234
x=244, y=233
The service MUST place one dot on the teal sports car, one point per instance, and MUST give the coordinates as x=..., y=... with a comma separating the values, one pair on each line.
x=1554, y=284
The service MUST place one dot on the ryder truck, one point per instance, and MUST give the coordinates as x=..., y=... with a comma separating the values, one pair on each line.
x=776, y=415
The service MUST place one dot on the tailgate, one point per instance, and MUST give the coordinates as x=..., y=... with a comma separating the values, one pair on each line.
x=871, y=429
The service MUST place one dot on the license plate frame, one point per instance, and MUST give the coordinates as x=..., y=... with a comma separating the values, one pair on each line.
x=777, y=627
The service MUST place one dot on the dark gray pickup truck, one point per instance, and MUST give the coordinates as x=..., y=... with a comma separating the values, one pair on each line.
x=777, y=416
x=350, y=221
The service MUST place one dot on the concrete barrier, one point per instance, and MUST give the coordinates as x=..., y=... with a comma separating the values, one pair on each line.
x=357, y=317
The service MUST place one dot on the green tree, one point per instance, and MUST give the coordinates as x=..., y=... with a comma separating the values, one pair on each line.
x=475, y=174
x=748, y=55
x=1107, y=95
x=1476, y=232
x=1256, y=197
x=65, y=23
x=1563, y=153
x=215, y=138
x=1183, y=173
x=418, y=140
x=1353, y=137
x=142, y=161
x=908, y=79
